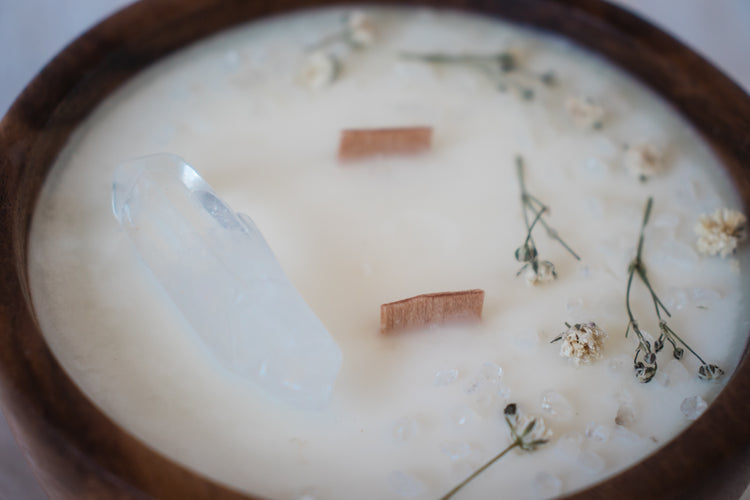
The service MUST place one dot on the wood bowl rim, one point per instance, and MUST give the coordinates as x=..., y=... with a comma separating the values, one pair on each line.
x=37, y=394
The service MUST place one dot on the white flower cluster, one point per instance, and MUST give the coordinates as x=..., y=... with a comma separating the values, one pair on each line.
x=643, y=161
x=360, y=29
x=542, y=272
x=323, y=66
x=321, y=69
x=585, y=113
x=720, y=233
x=582, y=343
x=527, y=431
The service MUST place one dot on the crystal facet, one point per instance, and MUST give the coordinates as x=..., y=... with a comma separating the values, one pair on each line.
x=220, y=272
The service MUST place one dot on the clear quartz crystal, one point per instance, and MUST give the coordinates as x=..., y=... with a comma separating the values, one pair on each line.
x=547, y=485
x=406, y=485
x=219, y=271
x=556, y=405
x=591, y=461
x=403, y=429
x=445, y=376
x=455, y=450
x=693, y=407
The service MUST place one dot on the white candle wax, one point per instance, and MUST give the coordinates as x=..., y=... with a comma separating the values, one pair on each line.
x=352, y=237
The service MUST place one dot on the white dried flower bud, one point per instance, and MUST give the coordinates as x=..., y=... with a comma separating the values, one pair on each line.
x=585, y=113
x=643, y=161
x=360, y=28
x=538, y=434
x=320, y=69
x=582, y=343
x=720, y=233
x=543, y=271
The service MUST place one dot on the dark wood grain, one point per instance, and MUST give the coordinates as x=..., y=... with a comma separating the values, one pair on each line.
x=78, y=452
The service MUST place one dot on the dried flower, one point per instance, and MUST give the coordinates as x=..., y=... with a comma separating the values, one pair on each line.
x=643, y=161
x=526, y=433
x=585, y=113
x=502, y=69
x=582, y=342
x=535, y=271
x=709, y=372
x=644, y=362
x=360, y=29
x=321, y=69
x=719, y=234
x=539, y=272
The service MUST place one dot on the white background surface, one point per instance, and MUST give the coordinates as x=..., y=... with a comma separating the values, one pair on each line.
x=33, y=31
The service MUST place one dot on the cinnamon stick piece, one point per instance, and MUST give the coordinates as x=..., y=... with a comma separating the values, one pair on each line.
x=431, y=308
x=357, y=144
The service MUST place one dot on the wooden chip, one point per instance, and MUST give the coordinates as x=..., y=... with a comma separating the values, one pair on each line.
x=357, y=144
x=431, y=308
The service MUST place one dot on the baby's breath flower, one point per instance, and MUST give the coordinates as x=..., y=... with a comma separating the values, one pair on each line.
x=360, y=29
x=539, y=272
x=582, y=342
x=643, y=161
x=585, y=113
x=320, y=70
x=644, y=361
x=530, y=432
x=719, y=234
x=527, y=433
x=709, y=372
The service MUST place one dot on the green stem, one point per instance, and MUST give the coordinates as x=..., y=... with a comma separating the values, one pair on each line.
x=528, y=199
x=657, y=302
x=672, y=333
x=480, y=470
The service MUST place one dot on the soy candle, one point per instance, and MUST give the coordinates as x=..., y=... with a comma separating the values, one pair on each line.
x=258, y=111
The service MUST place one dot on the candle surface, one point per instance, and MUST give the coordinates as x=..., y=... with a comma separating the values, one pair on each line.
x=412, y=413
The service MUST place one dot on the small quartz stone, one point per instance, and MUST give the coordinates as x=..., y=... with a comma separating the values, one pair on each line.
x=455, y=450
x=403, y=429
x=597, y=432
x=693, y=407
x=569, y=445
x=591, y=461
x=406, y=485
x=626, y=435
x=676, y=299
x=488, y=377
x=555, y=404
x=445, y=376
x=461, y=415
x=625, y=415
x=704, y=297
x=547, y=485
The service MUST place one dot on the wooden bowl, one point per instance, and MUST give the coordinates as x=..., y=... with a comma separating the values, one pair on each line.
x=78, y=452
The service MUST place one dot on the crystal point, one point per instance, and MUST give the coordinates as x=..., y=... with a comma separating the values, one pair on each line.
x=222, y=275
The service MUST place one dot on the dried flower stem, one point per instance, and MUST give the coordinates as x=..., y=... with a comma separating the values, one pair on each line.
x=527, y=253
x=479, y=471
x=495, y=67
x=527, y=440
x=645, y=367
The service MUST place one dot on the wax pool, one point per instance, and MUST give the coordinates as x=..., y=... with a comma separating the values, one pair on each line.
x=411, y=414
